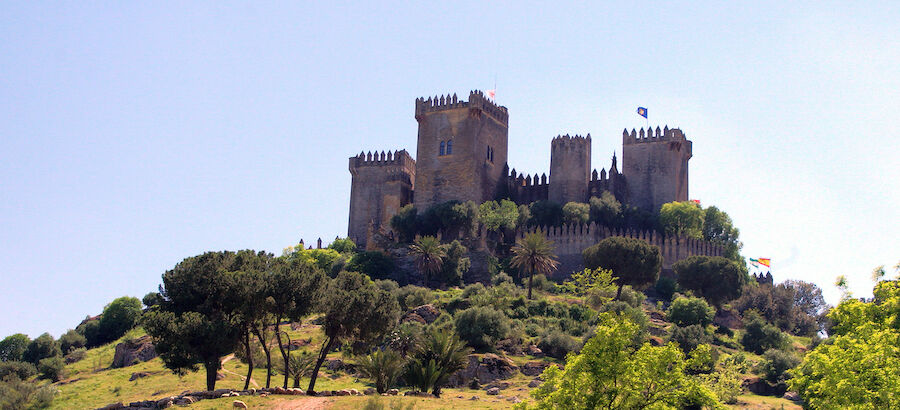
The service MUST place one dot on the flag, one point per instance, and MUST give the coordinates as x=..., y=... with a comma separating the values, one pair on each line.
x=696, y=201
x=754, y=262
x=642, y=112
x=491, y=93
x=765, y=262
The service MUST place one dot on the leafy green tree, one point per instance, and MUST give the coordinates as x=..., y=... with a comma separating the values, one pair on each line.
x=533, y=254
x=71, y=340
x=119, y=316
x=22, y=370
x=690, y=337
x=343, y=245
x=760, y=336
x=557, y=344
x=807, y=297
x=498, y=216
x=718, y=228
x=576, y=213
x=151, y=299
x=41, y=348
x=405, y=223
x=714, y=278
x=355, y=311
x=545, y=213
x=481, y=327
x=524, y=216
x=429, y=254
x=197, y=322
x=612, y=373
x=588, y=280
x=606, y=210
x=684, y=219
x=632, y=261
x=776, y=363
x=859, y=365
x=52, y=368
x=384, y=367
x=455, y=265
x=440, y=354
x=12, y=347
x=686, y=311
x=250, y=292
x=375, y=264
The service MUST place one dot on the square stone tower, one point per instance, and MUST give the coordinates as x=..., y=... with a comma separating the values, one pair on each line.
x=655, y=165
x=380, y=185
x=461, y=150
x=570, y=168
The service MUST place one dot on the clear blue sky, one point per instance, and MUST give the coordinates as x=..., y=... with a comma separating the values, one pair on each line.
x=135, y=134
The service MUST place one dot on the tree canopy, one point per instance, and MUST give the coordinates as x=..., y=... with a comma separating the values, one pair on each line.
x=632, y=261
x=684, y=219
x=714, y=278
x=533, y=254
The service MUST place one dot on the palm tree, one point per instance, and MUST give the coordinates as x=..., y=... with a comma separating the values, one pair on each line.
x=383, y=367
x=429, y=254
x=533, y=254
x=440, y=354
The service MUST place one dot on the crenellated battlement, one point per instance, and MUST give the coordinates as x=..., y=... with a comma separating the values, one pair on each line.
x=652, y=135
x=384, y=158
x=477, y=100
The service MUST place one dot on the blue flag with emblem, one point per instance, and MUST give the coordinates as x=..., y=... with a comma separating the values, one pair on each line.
x=642, y=112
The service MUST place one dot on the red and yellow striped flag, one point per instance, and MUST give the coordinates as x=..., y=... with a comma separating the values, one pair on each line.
x=765, y=262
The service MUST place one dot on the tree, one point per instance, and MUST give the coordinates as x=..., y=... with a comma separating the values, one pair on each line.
x=455, y=265
x=343, y=245
x=612, y=373
x=760, y=336
x=197, y=322
x=859, y=365
x=12, y=347
x=546, y=213
x=606, y=210
x=429, y=254
x=690, y=311
x=151, y=299
x=533, y=254
x=684, y=219
x=632, y=261
x=375, y=264
x=71, y=340
x=714, y=278
x=498, y=216
x=383, y=367
x=807, y=297
x=718, y=228
x=355, y=311
x=440, y=354
x=119, y=316
x=481, y=327
x=405, y=223
x=41, y=348
x=576, y=213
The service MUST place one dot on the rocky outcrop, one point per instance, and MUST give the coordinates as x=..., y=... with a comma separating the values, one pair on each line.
x=729, y=319
x=533, y=368
x=761, y=387
x=487, y=369
x=134, y=351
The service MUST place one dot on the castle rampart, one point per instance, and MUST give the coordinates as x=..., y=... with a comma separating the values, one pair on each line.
x=570, y=168
x=655, y=163
x=381, y=183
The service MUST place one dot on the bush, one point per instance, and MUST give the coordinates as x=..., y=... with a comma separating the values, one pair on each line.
x=76, y=355
x=557, y=344
x=41, y=348
x=383, y=367
x=501, y=278
x=387, y=285
x=119, y=316
x=455, y=265
x=52, y=368
x=474, y=289
x=343, y=245
x=635, y=315
x=12, y=347
x=541, y=282
x=689, y=337
x=152, y=299
x=375, y=264
x=481, y=327
x=760, y=336
x=666, y=288
x=71, y=340
x=411, y=296
x=690, y=311
x=775, y=365
x=575, y=213
x=22, y=370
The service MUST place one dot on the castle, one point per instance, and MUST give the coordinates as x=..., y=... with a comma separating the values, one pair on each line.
x=461, y=154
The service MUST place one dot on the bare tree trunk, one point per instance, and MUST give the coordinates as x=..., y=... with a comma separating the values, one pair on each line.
x=284, y=353
x=212, y=369
x=262, y=341
x=315, y=373
x=249, y=358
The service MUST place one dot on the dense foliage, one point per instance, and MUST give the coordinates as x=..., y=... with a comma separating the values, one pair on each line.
x=632, y=261
x=713, y=278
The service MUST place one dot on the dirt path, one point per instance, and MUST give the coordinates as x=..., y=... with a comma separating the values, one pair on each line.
x=309, y=403
x=228, y=358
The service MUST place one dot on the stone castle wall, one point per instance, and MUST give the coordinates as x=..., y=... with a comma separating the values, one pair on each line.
x=655, y=163
x=381, y=184
x=570, y=168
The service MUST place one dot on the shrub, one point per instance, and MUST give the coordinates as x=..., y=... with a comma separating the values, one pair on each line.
x=387, y=285
x=383, y=367
x=576, y=213
x=76, y=355
x=690, y=311
x=405, y=223
x=41, y=348
x=473, y=289
x=634, y=315
x=71, y=340
x=760, y=336
x=343, y=245
x=775, y=365
x=52, y=368
x=557, y=344
x=500, y=278
x=455, y=265
x=481, y=327
x=714, y=278
x=411, y=296
x=12, y=347
x=22, y=370
x=152, y=299
x=666, y=288
x=689, y=337
x=119, y=316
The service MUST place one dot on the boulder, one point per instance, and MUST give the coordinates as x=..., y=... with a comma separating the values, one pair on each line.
x=428, y=312
x=334, y=364
x=412, y=317
x=344, y=392
x=298, y=343
x=493, y=391
x=134, y=351
x=534, y=383
x=220, y=376
x=728, y=318
x=534, y=351
x=354, y=392
x=239, y=404
x=370, y=391
x=487, y=369
x=533, y=368
x=185, y=401
x=138, y=375
x=113, y=406
x=792, y=396
x=393, y=392
x=657, y=315
x=656, y=341
x=165, y=402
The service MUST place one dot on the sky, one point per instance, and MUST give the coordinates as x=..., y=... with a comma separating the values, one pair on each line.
x=136, y=134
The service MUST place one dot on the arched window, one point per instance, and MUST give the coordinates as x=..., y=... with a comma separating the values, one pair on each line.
x=449, y=147
x=442, y=148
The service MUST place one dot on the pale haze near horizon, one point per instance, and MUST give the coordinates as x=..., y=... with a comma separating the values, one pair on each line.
x=137, y=134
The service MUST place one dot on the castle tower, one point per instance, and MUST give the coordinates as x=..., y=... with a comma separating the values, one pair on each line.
x=655, y=165
x=381, y=184
x=461, y=151
x=570, y=169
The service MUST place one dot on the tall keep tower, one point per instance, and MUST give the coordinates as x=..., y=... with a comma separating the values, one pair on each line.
x=380, y=185
x=570, y=169
x=461, y=151
x=655, y=165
